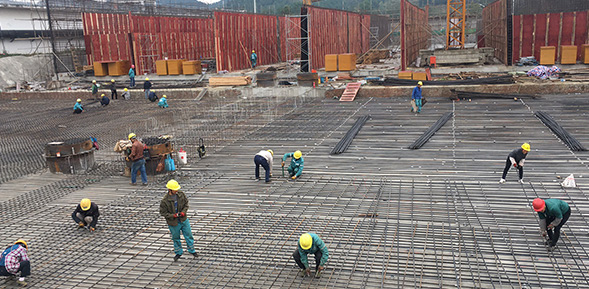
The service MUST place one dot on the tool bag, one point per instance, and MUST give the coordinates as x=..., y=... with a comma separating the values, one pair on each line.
x=170, y=166
x=201, y=148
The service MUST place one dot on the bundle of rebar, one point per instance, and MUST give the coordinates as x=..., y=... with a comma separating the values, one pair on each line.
x=507, y=79
x=152, y=140
x=559, y=131
x=431, y=131
x=345, y=142
x=471, y=94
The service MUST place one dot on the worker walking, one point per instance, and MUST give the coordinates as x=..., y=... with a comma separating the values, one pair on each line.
x=94, y=88
x=553, y=214
x=104, y=101
x=295, y=169
x=136, y=157
x=163, y=103
x=15, y=260
x=113, y=90
x=310, y=243
x=86, y=214
x=516, y=158
x=174, y=207
x=146, y=87
x=264, y=158
x=132, y=76
x=78, y=108
x=254, y=59
x=416, y=98
x=126, y=94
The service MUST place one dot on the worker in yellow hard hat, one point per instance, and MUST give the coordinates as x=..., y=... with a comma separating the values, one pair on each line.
x=416, y=98
x=15, y=261
x=126, y=94
x=113, y=90
x=516, y=158
x=147, y=87
x=94, y=88
x=254, y=59
x=310, y=243
x=104, y=101
x=264, y=158
x=163, y=103
x=136, y=157
x=78, y=108
x=295, y=169
x=174, y=207
x=86, y=214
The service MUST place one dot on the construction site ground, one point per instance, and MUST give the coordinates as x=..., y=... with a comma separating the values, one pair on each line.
x=435, y=217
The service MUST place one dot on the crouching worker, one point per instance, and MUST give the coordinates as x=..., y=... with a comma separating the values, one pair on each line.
x=78, y=108
x=553, y=214
x=295, y=169
x=104, y=101
x=152, y=96
x=163, y=103
x=86, y=214
x=310, y=243
x=14, y=260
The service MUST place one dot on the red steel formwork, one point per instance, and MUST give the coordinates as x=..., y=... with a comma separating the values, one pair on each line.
x=112, y=37
x=415, y=32
x=532, y=31
x=495, y=28
x=237, y=34
x=335, y=32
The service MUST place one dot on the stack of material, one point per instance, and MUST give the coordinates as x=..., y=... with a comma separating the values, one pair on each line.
x=419, y=76
x=307, y=78
x=544, y=72
x=175, y=66
x=345, y=142
x=100, y=68
x=118, y=68
x=403, y=82
x=230, y=81
x=406, y=75
x=266, y=79
x=191, y=67
x=331, y=62
x=431, y=131
x=471, y=94
x=559, y=131
x=346, y=62
x=373, y=56
x=161, y=67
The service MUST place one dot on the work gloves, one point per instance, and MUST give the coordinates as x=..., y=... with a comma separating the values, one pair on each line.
x=179, y=215
x=92, y=229
x=81, y=224
x=283, y=163
x=550, y=226
x=294, y=177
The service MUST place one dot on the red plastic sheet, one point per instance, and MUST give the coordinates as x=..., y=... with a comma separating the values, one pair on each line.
x=415, y=33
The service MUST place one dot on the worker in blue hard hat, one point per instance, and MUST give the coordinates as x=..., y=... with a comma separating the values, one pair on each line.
x=295, y=169
x=310, y=243
x=416, y=98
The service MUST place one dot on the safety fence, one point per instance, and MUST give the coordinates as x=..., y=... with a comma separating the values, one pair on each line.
x=415, y=32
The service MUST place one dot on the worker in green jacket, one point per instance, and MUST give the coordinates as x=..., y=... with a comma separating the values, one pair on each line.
x=553, y=214
x=310, y=243
x=174, y=207
x=296, y=164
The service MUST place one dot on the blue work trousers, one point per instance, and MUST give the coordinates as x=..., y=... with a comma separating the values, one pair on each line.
x=147, y=93
x=138, y=165
x=418, y=104
x=261, y=161
x=132, y=81
x=187, y=232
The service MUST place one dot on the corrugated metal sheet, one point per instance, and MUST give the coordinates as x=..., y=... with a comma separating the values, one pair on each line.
x=415, y=32
x=530, y=32
x=334, y=32
x=237, y=34
x=495, y=28
x=530, y=7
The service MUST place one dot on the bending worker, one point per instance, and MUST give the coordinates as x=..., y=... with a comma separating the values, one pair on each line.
x=516, y=159
x=264, y=158
x=296, y=164
x=104, y=101
x=86, y=214
x=15, y=259
x=174, y=207
x=553, y=214
x=310, y=243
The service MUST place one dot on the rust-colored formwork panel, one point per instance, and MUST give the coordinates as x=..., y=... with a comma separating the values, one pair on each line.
x=540, y=34
x=581, y=31
x=527, y=36
x=495, y=28
x=415, y=32
x=237, y=34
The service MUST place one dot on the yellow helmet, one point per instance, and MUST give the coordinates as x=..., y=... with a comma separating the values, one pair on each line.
x=147, y=79
x=85, y=204
x=306, y=241
x=173, y=185
x=253, y=51
x=271, y=152
x=132, y=135
x=112, y=80
x=164, y=96
x=526, y=146
x=102, y=94
x=420, y=83
x=21, y=241
x=79, y=100
x=298, y=154
x=125, y=89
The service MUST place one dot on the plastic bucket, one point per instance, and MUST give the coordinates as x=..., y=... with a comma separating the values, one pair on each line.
x=182, y=156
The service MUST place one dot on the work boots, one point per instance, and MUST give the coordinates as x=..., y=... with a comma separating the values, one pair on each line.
x=177, y=257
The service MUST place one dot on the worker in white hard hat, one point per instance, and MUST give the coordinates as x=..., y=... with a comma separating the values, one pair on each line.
x=174, y=207
x=264, y=158
x=295, y=169
x=136, y=157
x=78, y=108
x=86, y=214
x=310, y=243
x=416, y=98
x=163, y=103
x=254, y=59
x=15, y=260
x=516, y=158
